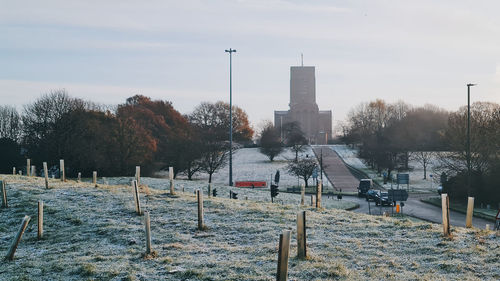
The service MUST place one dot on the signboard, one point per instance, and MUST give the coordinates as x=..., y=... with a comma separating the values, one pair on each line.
x=397, y=195
x=403, y=178
x=250, y=184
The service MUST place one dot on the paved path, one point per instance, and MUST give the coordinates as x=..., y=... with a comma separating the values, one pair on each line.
x=335, y=170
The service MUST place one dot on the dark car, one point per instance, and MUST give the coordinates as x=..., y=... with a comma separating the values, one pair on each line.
x=372, y=195
x=364, y=186
x=383, y=199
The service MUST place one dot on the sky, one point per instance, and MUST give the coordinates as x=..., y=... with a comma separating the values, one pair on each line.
x=419, y=52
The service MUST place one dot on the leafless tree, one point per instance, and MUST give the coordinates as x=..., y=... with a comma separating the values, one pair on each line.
x=10, y=123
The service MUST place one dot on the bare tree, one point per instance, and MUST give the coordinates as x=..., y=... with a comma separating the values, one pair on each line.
x=10, y=123
x=303, y=168
x=424, y=158
x=295, y=138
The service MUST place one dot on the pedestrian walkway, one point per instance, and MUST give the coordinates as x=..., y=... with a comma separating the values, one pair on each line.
x=335, y=170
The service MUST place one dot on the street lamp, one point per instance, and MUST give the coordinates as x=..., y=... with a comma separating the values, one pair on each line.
x=468, y=138
x=230, y=51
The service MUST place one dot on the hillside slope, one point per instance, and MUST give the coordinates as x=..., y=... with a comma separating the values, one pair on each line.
x=94, y=234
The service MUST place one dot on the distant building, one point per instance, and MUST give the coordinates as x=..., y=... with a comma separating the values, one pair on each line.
x=315, y=123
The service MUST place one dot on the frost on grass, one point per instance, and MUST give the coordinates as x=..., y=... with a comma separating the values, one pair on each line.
x=94, y=234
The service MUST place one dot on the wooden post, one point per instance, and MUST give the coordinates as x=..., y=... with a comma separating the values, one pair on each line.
x=4, y=195
x=46, y=174
x=15, y=243
x=209, y=189
x=28, y=167
x=40, y=220
x=94, y=178
x=33, y=171
x=148, y=232
x=199, y=196
x=302, y=194
x=470, y=211
x=445, y=206
x=318, y=194
x=487, y=227
x=13, y=171
x=137, y=198
x=138, y=175
x=301, y=235
x=62, y=172
x=313, y=200
x=79, y=179
x=283, y=252
x=171, y=177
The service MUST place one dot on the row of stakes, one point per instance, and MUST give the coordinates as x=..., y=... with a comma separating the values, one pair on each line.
x=284, y=240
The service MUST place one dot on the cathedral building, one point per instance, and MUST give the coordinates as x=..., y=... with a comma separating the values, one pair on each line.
x=316, y=124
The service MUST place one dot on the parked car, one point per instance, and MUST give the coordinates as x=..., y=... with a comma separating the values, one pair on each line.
x=364, y=186
x=372, y=195
x=383, y=199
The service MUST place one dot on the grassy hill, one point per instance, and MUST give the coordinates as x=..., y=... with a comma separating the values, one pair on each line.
x=94, y=234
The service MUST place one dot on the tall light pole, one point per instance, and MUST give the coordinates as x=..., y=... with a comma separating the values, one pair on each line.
x=468, y=139
x=230, y=51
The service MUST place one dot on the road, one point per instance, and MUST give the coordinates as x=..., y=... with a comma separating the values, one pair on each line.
x=416, y=208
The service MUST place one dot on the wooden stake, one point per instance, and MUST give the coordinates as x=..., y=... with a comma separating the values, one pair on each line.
x=79, y=179
x=148, y=232
x=313, y=200
x=283, y=252
x=318, y=194
x=40, y=220
x=28, y=167
x=14, y=171
x=302, y=194
x=445, y=206
x=301, y=235
x=62, y=172
x=137, y=198
x=94, y=178
x=171, y=177
x=199, y=196
x=470, y=211
x=33, y=171
x=46, y=174
x=138, y=175
x=4, y=195
x=15, y=243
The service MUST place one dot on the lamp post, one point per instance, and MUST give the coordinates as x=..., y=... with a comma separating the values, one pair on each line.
x=230, y=51
x=468, y=138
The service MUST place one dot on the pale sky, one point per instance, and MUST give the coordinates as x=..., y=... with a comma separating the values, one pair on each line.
x=423, y=51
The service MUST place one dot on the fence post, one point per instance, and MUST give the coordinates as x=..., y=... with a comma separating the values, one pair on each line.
x=62, y=172
x=445, y=206
x=171, y=177
x=470, y=212
x=137, y=198
x=148, y=232
x=79, y=179
x=33, y=171
x=15, y=243
x=40, y=220
x=199, y=196
x=301, y=235
x=313, y=201
x=94, y=178
x=318, y=194
x=13, y=171
x=138, y=175
x=28, y=167
x=302, y=194
x=46, y=174
x=283, y=252
x=4, y=195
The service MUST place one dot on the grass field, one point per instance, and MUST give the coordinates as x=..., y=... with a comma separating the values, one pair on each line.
x=94, y=234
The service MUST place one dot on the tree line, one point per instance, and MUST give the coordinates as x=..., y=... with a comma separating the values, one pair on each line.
x=389, y=135
x=113, y=140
